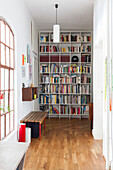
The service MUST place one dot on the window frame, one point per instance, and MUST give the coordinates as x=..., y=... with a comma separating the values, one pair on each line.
x=9, y=68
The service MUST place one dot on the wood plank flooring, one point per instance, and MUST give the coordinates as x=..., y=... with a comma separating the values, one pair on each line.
x=65, y=145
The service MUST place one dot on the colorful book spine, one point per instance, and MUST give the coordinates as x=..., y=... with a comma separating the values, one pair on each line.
x=54, y=68
x=44, y=49
x=64, y=110
x=85, y=79
x=76, y=49
x=75, y=110
x=86, y=48
x=44, y=99
x=85, y=99
x=54, y=99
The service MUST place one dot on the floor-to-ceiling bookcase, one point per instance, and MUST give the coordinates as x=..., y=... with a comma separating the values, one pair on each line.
x=65, y=87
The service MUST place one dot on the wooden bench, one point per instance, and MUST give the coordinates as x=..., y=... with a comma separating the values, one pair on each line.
x=36, y=117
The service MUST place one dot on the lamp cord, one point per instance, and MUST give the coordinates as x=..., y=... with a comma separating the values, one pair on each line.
x=56, y=16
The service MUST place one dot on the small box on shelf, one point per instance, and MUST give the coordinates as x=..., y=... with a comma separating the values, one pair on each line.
x=29, y=93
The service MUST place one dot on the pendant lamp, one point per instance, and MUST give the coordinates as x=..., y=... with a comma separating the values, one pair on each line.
x=56, y=29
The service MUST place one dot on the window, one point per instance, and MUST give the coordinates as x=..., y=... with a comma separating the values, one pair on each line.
x=6, y=80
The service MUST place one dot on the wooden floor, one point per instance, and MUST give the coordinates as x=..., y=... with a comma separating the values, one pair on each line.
x=65, y=145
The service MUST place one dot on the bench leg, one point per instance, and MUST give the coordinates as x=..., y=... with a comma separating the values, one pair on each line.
x=39, y=131
x=44, y=123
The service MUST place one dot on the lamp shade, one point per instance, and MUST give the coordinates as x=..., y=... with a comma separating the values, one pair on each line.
x=56, y=33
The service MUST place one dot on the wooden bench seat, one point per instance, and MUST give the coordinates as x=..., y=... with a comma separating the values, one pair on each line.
x=35, y=117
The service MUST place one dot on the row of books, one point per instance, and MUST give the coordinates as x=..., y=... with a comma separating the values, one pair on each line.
x=86, y=48
x=84, y=109
x=44, y=78
x=75, y=79
x=54, y=48
x=75, y=100
x=64, y=69
x=75, y=68
x=65, y=110
x=85, y=79
x=44, y=99
x=85, y=38
x=75, y=110
x=76, y=38
x=76, y=49
x=70, y=89
x=44, y=68
x=54, y=88
x=72, y=79
x=65, y=49
x=76, y=89
x=83, y=48
x=54, y=110
x=54, y=99
x=65, y=99
x=85, y=69
x=44, y=48
x=64, y=79
x=85, y=58
x=65, y=89
x=54, y=68
x=85, y=99
x=44, y=38
x=49, y=88
x=54, y=79
x=85, y=89
x=44, y=88
x=65, y=38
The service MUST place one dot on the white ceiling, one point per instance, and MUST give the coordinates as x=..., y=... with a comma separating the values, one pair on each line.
x=72, y=14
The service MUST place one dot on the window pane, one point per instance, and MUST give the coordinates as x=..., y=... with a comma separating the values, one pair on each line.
x=2, y=127
x=6, y=101
x=7, y=123
x=2, y=79
x=11, y=79
x=6, y=79
x=11, y=58
x=2, y=103
x=3, y=32
x=2, y=54
x=11, y=40
x=11, y=100
x=7, y=35
x=7, y=56
x=11, y=121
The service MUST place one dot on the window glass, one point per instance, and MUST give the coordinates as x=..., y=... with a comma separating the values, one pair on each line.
x=6, y=80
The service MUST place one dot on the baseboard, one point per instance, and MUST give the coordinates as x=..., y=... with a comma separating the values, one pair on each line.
x=111, y=165
x=96, y=137
x=93, y=132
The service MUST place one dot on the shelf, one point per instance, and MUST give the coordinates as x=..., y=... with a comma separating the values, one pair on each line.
x=43, y=103
x=71, y=44
x=65, y=73
x=29, y=93
x=54, y=104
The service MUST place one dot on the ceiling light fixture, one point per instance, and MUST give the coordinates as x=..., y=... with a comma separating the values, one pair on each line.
x=56, y=29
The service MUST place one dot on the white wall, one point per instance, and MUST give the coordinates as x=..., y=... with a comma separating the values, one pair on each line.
x=18, y=17
x=102, y=126
x=98, y=66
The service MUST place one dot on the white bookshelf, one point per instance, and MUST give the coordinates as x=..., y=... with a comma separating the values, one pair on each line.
x=65, y=49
